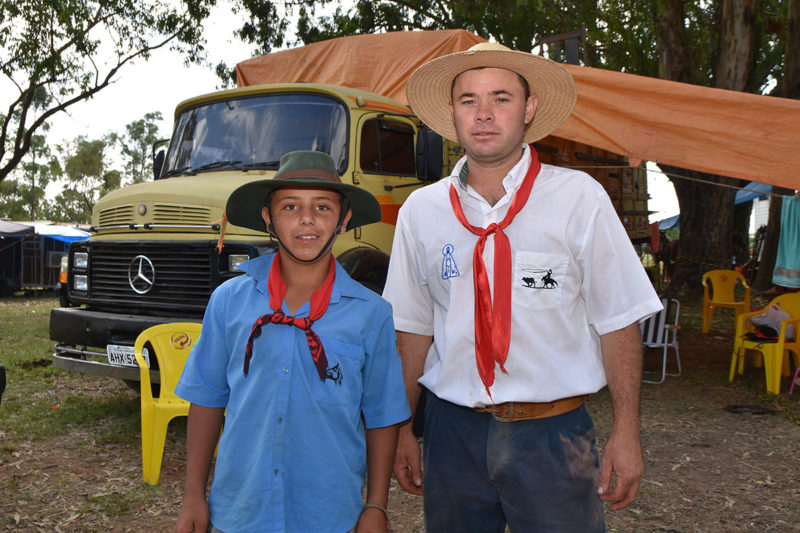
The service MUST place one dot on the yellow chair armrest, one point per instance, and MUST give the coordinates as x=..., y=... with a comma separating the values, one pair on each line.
x=144, y=376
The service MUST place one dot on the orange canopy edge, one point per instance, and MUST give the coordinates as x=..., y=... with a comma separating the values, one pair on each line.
x=729, y=133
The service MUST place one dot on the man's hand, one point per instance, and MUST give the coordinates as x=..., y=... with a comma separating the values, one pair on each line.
x=621, y=471
x=407, y=463
x=622, y=467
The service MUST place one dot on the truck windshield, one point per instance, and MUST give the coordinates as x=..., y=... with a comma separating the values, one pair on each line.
x=255, y=131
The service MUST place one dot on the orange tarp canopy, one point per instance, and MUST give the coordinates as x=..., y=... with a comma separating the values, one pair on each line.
x=730, y=133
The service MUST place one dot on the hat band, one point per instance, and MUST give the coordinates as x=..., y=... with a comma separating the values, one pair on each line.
x=309, y=173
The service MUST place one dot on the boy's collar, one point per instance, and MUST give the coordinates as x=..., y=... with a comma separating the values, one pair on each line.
x=258, y=269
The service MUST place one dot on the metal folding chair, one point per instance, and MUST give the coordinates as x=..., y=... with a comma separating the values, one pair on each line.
x=661, y=331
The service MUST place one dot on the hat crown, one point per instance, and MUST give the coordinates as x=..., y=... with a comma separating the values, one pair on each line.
x=480, y=47
x=307, y=164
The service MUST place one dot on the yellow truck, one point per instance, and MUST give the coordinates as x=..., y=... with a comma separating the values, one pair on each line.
x=158, y=249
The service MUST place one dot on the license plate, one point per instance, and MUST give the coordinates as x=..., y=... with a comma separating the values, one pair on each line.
x=119, y=355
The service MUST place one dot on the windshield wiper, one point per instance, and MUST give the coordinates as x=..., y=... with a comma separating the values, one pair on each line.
x=179, y=172
x=218, y=165
x=263, y=164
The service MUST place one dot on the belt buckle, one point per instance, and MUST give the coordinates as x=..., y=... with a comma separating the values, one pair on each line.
x=509, y=409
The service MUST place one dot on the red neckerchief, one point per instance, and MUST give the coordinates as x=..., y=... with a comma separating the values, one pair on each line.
x=320, y=299
x=493, y=320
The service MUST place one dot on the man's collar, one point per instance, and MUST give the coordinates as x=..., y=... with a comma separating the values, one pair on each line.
x=516, y=174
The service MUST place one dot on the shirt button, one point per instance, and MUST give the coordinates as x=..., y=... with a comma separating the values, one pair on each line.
x=276, y=471
x=285, y=370
x=280, y=419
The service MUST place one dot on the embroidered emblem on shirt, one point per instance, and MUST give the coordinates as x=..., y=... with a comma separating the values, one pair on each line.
x=449, y=267
x=334, y=373
x=544, y=282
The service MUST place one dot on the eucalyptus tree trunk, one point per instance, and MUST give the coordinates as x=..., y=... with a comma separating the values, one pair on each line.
x=790, y=88
x=707, y=211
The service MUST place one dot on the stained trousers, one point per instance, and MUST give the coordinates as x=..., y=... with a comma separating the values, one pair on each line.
x=534, y=475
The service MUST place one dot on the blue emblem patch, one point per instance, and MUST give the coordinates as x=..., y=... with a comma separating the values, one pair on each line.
x=449, y=267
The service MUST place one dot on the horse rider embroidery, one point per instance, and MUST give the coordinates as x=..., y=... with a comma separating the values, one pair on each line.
x=545, y=282
x=449, y=267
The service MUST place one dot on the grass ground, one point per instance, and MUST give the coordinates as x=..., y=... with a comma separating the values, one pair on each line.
x=69, y=444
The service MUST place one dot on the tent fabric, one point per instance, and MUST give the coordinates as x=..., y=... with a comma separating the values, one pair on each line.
x=730, y=133
x=378, y=63
x=752, y=191
x=14, y=229
x=60, y=233
x=669, y=223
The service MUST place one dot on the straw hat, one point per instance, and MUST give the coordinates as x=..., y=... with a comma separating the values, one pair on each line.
x=302, y=169
x=429, y=87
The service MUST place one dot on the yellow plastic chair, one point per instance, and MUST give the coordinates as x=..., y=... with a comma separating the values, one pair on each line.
x=171, y=344
x=722, y=284
x=775, y=354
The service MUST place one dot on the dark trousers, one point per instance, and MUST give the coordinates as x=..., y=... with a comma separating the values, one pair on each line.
x=534, y=475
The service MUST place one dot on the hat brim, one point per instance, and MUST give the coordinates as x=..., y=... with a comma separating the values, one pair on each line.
x=245, y=203
x=429, y=88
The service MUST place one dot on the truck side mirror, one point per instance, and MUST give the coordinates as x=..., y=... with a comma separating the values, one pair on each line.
x=159, y=153
x=429, y=155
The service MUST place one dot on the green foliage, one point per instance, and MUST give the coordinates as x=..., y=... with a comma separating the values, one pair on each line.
x=23, y=196
x=57, y=53
x=86, y=178
x=136, y=145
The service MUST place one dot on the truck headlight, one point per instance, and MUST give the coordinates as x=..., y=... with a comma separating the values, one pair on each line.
x=80, y=259
x=234, y=260
x=80, y=283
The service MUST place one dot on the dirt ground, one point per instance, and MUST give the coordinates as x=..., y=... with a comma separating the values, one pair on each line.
x=708, y=469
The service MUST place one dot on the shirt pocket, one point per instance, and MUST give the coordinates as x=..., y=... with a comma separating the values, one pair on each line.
x=343, y=384
x=538, y=280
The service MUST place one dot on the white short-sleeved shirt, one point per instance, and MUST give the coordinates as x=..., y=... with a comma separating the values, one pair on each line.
x=575, y=276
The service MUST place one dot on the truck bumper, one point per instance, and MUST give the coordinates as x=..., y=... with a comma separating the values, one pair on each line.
x=75, y=330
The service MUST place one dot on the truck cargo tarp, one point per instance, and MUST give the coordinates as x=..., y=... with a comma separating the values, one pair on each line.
x=730, y=133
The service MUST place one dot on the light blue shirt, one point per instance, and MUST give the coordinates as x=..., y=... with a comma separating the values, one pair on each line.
x=292, y=456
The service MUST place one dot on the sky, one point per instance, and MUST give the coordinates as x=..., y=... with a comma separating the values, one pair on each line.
x=163, y=81
x=158, y=84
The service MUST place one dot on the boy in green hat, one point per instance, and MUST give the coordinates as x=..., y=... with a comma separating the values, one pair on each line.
x=304, y=359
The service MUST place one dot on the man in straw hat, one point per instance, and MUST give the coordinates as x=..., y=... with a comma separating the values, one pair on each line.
x=516, y=293
x=303, y=358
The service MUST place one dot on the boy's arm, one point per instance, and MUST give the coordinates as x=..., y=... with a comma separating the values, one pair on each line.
x=381, y=446
x=202, y=432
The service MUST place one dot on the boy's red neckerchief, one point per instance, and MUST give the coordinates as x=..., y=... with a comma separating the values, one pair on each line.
x=319, y=304
x=493, y=320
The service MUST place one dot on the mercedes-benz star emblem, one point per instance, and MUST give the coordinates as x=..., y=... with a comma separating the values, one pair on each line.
x=141, y=274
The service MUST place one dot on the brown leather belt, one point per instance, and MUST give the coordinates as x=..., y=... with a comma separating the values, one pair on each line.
x=514, y=411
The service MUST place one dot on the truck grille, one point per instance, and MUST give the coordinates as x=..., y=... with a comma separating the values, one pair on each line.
x=116, y=216
x=184, y=276
x=180, y=214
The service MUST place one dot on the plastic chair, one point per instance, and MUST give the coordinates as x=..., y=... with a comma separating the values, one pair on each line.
x=171, y=343
x=661, y=331
x=795, y=380
x=775, y=353
x=722, y=284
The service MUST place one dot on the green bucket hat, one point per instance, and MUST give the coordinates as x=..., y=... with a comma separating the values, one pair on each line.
x=302, y=169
